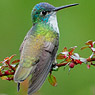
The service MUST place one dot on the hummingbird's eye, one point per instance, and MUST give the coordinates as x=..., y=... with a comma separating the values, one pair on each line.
x=44, y=13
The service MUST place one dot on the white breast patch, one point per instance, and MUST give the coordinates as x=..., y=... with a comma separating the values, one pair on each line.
x=53, y=22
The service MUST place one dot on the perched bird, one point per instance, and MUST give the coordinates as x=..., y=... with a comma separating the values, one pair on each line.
x=39, y=48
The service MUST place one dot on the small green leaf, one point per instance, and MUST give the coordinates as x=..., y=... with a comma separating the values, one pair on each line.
x=15, y=61
x=52, y=80
x=12, y=56
x=4, y=78
x=60, y=56
x=84, y=47
x=71, y=50
x=64, y=50
x=1, y=62
x=90, y=42
x=68, y=59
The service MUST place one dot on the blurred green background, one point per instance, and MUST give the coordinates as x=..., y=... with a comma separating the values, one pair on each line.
x=76, y=24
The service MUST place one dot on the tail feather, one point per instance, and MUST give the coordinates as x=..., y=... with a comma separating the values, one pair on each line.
x=22, y=73
x=18, y=86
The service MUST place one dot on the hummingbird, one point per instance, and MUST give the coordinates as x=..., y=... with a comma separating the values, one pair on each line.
x=39, y=47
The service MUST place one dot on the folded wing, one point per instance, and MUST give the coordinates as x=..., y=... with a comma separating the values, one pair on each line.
x=42, y=67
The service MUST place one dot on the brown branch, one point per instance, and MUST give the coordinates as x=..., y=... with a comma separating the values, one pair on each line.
x=12, y=73
x=90, y=59
x=60, y=65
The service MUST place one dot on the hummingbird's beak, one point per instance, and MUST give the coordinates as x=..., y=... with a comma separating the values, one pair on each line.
x=63, y=7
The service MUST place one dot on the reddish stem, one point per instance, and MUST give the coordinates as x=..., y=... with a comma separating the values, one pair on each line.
x=9, y=79
x=12, y=73
x=60, y=65
x=90, y=59
x=10, y=66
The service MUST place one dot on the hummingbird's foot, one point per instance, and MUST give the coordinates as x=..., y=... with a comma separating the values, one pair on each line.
x=54, y=67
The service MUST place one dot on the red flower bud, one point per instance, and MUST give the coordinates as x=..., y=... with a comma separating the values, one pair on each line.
x=78, y=61
x=71, y=65
x=0, y=73
x=9, y=78
x=7, y=72
x=65, y=56
x=88, y=66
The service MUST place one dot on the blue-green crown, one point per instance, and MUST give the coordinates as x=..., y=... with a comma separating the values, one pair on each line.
x=36, y=12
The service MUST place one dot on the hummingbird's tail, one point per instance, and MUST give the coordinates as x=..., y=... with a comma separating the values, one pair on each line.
x=18, y=86
x=22, y=73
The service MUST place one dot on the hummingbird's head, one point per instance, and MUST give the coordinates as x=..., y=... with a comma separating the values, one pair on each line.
x=43, y=11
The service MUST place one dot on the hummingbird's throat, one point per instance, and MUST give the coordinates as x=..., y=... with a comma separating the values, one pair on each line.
x=53, y=22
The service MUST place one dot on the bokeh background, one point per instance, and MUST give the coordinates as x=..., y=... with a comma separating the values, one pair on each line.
x=76, y=24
